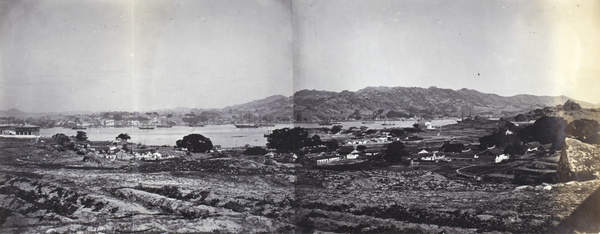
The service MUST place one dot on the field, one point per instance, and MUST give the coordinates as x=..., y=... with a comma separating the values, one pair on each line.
x=46, y=191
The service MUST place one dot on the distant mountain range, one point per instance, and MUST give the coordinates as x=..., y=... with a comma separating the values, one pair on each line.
x=413, y=101
x=378, y=102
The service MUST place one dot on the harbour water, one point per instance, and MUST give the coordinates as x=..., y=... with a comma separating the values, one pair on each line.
x=225, y=135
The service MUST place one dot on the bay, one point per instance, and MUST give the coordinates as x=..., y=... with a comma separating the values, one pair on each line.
x=226, y=135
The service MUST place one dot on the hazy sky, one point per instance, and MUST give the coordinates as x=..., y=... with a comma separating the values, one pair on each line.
x=105, y=55
x=504, y=47
x=98, y=55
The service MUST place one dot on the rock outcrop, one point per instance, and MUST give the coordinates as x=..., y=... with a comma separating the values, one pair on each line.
x=578, y=162
x=571, y=106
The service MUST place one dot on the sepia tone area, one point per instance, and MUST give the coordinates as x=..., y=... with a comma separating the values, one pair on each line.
x=299, y=116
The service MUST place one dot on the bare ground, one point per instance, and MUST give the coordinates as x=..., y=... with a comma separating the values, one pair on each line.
x=47, y=191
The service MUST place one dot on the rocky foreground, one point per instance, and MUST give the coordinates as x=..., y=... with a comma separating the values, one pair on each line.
x=243, y=195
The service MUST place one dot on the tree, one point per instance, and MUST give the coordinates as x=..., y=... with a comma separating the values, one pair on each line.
x=123, y=137
x=397, y=132
x=416, y=126
x=450, y=147
x=288, y=140
x=314, y=141
x=515, y=149
x=117, y=117
x=196, y=143
x=335, y=129
x=395, y=151
x=61, y=138
x=583, y=128
x=361, y=148
x=332, y=144
x=550, y=130
x=526, y=134
x=520, y=118
x=81, y=136
x=64, y=141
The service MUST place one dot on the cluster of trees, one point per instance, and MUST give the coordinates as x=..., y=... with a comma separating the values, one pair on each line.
x=545, y=130
x=256, y=150
x=395, y=151
x=196, y=143
x=398, y=114
x=585, y=130
x=123, y=137
x=291, y=139
x=66, y=142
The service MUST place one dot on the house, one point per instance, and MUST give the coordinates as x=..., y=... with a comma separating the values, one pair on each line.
x=501, y=158
x=353, y=155
x=20, y=131
x=109, y=122
x=27, y=130
x=428, y=126
x=450, y=147
x=492, y=152
x=535, y=147
x=372, y=152
x=7, y=130
x=105, y=149
x=321, y=160
x=217, y=148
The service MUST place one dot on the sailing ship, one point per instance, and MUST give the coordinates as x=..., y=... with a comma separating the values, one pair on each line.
x=328, y=122
x=164, y=126
x=246, y=125
x=146, y=127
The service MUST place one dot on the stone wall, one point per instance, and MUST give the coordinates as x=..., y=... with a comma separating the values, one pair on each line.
x=578, y=161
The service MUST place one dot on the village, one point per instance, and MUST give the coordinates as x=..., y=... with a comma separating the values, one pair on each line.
x=305, y=179
x=332, y=146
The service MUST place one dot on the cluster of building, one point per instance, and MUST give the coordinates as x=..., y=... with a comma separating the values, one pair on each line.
x=25, y=131
x=134, y=119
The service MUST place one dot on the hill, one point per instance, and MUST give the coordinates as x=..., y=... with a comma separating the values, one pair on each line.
x=405, y=102
x=370, y=103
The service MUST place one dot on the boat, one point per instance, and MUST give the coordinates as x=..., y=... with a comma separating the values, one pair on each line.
x=247, y=125
x=267, y=125
x=79, y=128
x=368, y=122
x=196, y=125
x=146, y=127
x=325, y=123
x=386, y=123
x=164, y=126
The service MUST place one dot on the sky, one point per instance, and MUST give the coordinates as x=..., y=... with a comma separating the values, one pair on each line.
x=134, y=55
x=503, y=47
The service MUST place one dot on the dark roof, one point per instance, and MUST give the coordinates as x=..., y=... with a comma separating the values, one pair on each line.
x=494, y=151
x=534, y=144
